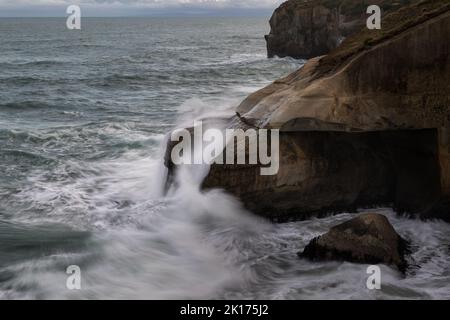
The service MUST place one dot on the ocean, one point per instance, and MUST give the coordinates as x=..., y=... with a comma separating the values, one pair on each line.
x=83, y=120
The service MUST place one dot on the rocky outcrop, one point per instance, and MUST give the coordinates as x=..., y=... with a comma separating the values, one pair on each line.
x=306, y=29
x=397, y=78
x=368, y=238
x=303, y=30
x=322, y=172
x=366, y=125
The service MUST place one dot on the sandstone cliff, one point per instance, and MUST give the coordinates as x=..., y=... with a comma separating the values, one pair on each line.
x=310, y=28
x=365, y=125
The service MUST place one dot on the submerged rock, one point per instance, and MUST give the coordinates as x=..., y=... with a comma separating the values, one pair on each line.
x=368, y=238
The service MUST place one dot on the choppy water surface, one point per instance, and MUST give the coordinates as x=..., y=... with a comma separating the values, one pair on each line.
x=82, y=122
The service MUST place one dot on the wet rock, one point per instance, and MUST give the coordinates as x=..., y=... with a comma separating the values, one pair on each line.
x=323, y=172
x=438, y=210
x=368, y=238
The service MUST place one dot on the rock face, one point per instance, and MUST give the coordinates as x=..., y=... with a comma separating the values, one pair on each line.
x=302, y=30
x=397, y=78
x=368, y=124
x=323, y=172
x=306, y=29
x=368, y=238
x=365, y=125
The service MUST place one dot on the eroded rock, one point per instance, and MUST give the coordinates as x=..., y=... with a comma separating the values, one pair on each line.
x=306, y=29
x=323, y=172
x=366, y=125
x=368, y=238
x=396, y=82
x=396, y=78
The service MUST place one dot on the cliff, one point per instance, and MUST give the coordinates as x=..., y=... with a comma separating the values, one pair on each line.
x=395, y=78
x=310, y=28
x=365, y=125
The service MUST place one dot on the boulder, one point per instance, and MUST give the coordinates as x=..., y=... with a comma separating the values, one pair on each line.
x=368, y=238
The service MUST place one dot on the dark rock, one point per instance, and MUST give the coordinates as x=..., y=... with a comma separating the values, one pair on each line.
x=438, y=210
x=331, y=172
x=306, y=29
x=360, y=127
x=368, y=238
x=217, y=122
x=302, y=31
x=355, y=132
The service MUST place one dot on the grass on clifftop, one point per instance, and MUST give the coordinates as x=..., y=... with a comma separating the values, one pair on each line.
x=350, y=8
x=392, y=24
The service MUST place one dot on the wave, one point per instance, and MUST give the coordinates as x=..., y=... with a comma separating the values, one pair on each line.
x=31, y=80
x=189, y=244
x=241, y=58
x=120, y=78
x=27, y=105
x=14, y=156
x=43, y=63
x=83, y=45
x=127, y=81
x=195, y=244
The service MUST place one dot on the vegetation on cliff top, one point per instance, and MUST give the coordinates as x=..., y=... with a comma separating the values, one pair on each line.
x=349, y=7
x=392, y=24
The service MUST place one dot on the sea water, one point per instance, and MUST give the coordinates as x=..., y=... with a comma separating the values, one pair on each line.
x=83, y=120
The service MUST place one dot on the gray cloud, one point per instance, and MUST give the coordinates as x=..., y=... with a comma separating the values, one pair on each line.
x=136, y=7
x=8, y=4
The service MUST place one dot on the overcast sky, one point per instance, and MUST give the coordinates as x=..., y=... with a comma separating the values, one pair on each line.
x=51, y=8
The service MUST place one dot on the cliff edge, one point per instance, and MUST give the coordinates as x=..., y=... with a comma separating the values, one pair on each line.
x=366, y=125
x=309, y=28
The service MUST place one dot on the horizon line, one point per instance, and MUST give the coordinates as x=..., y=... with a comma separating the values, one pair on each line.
x=145, y=16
